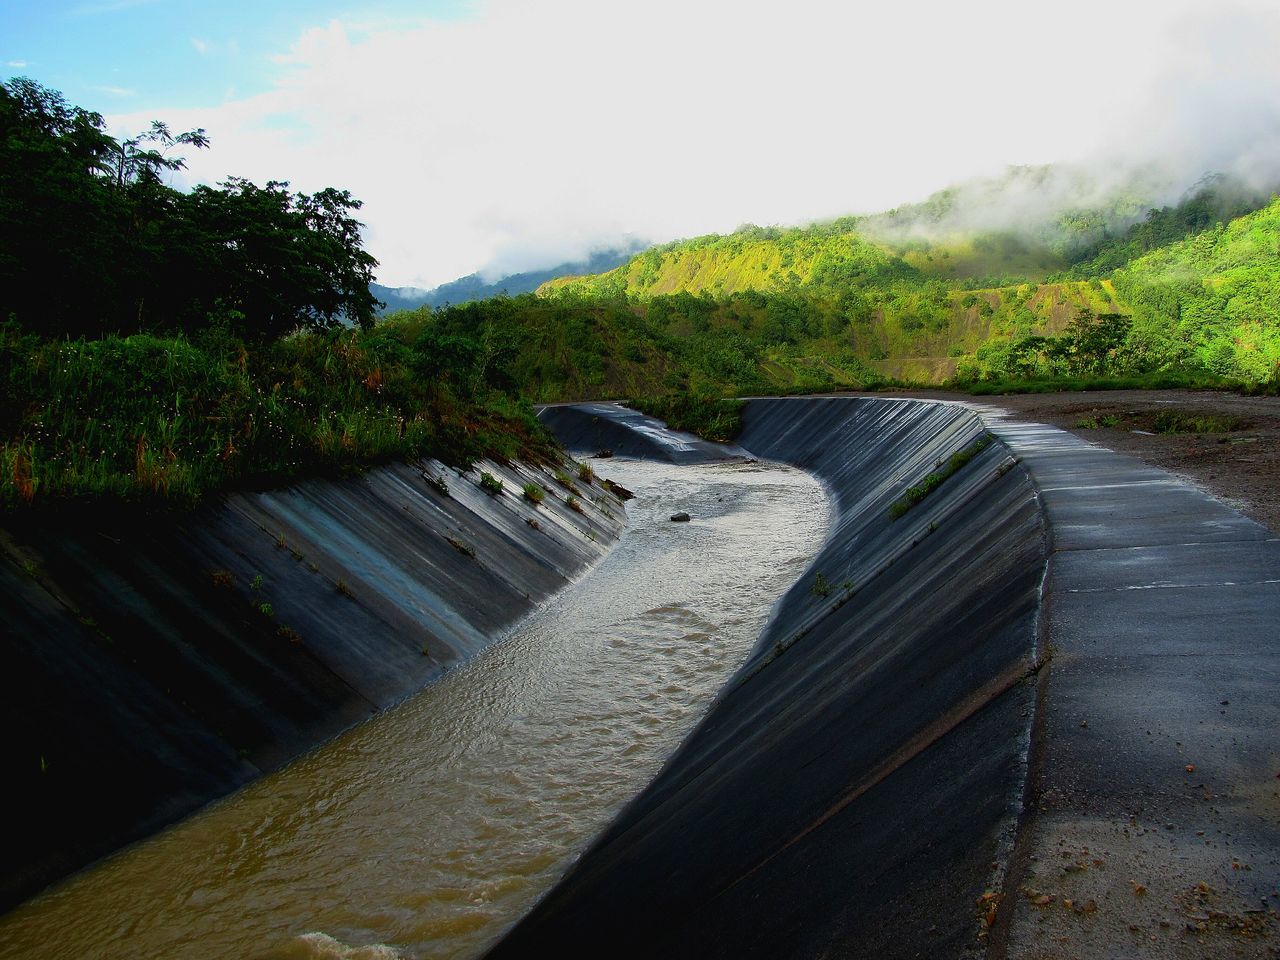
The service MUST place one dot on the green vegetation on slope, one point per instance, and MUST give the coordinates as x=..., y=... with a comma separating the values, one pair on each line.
x=1212, y=300
x=907, y=296
x=752, y=258
x=152, y=418
x=163, y=346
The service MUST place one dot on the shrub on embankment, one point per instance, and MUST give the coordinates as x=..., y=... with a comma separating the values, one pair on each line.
x=173, y=419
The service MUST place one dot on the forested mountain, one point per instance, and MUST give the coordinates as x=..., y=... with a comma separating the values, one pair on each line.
x=910, y=294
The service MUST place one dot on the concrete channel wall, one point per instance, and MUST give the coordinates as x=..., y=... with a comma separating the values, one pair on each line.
x=154, y=664
x=854, y=790
x=1035, y=717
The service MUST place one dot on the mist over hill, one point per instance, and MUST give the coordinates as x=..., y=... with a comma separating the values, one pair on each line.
x=474, y=286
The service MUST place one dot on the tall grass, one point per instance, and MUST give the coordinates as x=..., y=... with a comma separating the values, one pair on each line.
x=166, y=418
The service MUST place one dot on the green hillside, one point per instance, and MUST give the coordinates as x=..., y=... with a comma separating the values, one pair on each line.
x=1204, y=307
x=752, y=258
x=905, y=295
x=1212, y=300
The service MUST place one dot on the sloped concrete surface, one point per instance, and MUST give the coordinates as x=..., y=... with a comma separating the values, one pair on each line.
x=1039, y=721
x=156, y=664
x=855, y=788
x=588, y=428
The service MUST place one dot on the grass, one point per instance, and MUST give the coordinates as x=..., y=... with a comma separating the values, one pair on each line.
x=171, y=420
x=461, y=547
x=574, y=504
x=565, y=481
x=490, y=484
x=1109, y=420
x=534, y=493
x=935, y=479
x=1164, y=380
x=1178, y=421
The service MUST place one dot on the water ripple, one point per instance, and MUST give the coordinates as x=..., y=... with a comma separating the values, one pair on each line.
x=431, y=828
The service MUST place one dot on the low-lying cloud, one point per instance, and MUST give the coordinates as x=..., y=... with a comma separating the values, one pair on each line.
x=531, y=134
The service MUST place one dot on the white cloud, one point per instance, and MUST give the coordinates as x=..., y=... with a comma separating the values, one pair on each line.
x=16, y=64
x=117, y=91
x=533, y=132
x=202, y=46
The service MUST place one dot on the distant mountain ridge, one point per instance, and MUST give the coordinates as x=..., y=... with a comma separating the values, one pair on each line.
x=474, y=287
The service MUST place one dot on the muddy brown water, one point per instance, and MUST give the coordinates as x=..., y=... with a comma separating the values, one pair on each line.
x=429, y=829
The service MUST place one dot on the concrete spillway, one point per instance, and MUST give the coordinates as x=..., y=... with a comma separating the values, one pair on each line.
x=861, y=787
x=156, y=664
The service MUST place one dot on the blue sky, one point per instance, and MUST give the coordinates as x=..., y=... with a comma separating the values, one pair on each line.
x=114, y=55
x=507, y=135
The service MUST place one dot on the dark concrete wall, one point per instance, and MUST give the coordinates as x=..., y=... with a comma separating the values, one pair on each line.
x=588, y=428
x=145, y=679
x=854, y=789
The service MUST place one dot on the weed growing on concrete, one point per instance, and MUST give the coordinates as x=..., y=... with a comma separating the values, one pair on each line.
x=461, y=547
x=490, y=484
x=585, y=473
x=437, y=484
x=930, y=483
x=573, y=503
x=223, y=579
x=820, y=587
x=564, y=480
x=256, y=583
x=342, y=588
x=534, y=493
x=266, y=610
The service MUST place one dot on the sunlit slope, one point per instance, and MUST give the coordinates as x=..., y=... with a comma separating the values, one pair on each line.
x=1217, y=294
x=753, y=258
x=828, y=306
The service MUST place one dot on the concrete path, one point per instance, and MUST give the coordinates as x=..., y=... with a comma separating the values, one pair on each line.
x=1154, y=823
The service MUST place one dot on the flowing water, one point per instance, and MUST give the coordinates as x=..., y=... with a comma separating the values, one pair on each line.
x=429, y=829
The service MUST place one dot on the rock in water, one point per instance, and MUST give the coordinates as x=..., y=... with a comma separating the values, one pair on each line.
x=681, y=517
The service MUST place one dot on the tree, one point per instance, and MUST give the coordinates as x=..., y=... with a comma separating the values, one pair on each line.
x=92, y=240
x=275, y=261
x=130, y=163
